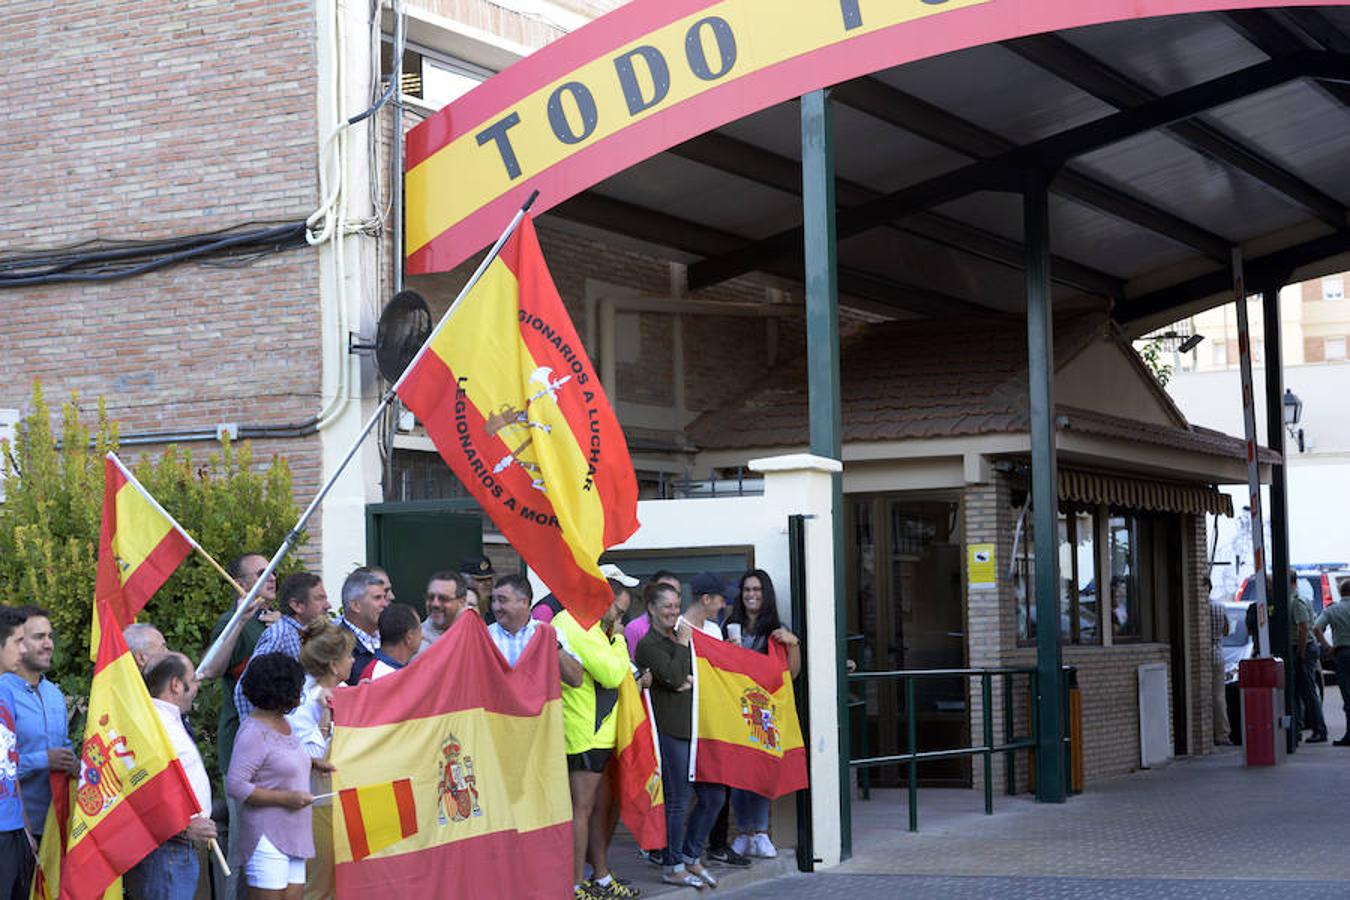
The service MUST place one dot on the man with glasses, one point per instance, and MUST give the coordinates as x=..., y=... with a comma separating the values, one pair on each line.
x=446, y=596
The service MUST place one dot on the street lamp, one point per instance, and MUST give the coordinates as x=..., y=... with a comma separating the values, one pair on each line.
x=1293, y=414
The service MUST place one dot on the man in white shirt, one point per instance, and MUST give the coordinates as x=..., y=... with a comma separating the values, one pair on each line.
x=170, y=871
x=514, y=628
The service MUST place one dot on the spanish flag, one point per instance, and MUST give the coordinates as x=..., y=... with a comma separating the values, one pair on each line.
x=513, y=404
x=637, y=755
x=746, y=730
x=481, y=745
x=132, y=793
x=139, y=548
x=47, y=872
x=378, y=816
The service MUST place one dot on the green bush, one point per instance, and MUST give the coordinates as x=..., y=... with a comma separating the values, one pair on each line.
x=49, y=533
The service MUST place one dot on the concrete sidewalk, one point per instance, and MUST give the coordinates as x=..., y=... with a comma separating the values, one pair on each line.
x=1198, y=827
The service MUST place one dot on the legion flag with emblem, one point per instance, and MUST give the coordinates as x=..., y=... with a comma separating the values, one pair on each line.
x=513, y=404
x=139, y=548
x=131, y=794
x=746, y=733
x=487, y=813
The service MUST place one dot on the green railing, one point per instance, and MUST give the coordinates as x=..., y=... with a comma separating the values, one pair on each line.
x=1009, y=746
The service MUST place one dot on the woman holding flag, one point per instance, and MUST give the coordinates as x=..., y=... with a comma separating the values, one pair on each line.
x=754, y=622
x=664, y=651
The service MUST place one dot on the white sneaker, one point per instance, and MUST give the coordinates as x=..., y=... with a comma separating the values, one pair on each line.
x=761, y=846
x=741, y=844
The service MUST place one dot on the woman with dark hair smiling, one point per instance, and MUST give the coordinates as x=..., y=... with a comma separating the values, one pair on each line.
x=269, y=778
x=754, y=622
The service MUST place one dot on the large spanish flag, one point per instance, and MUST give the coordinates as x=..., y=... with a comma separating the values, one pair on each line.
x=509, y=397
x=642, y=802
x=132, y=794
x=746, y=729
x=481, y=745
x=139, y=548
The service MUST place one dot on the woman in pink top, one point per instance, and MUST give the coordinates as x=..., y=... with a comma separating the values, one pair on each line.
x=269, y=777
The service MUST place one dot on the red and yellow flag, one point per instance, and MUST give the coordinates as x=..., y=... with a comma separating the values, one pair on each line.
x=47, y=872
x=481, y=745
x=139, y=548
x=746, y=734
x=378, y=816
x=513, y=404
x=132, y=793
x=642, y=802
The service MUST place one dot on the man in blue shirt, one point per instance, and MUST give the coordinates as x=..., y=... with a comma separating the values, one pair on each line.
x=40, y=721
x=302, y=600
x=16, y=858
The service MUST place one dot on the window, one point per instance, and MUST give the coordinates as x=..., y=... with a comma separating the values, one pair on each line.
x=1078, y=608
x=1333, y=288
x=1333, y=349
x=1123, y=545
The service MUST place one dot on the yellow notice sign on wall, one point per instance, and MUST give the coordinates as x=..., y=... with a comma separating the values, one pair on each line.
x=981, y=567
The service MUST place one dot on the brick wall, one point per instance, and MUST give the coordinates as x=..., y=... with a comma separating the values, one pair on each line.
x=155, y=121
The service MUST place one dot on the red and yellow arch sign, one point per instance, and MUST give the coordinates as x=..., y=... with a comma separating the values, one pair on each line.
x=654, y=73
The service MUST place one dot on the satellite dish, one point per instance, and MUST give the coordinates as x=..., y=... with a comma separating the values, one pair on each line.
x=403, y=328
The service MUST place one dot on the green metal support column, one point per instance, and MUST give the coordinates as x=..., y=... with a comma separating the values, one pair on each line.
x=1277, y=513
x=1044, y=489
x=822, y=363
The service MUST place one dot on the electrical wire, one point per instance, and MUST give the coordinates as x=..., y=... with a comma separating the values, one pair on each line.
x=116, y=263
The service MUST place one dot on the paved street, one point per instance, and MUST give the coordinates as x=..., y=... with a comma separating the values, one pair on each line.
x=1198, y=828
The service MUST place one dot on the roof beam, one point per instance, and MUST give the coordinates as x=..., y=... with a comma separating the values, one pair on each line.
x=1279, y=264
x=1280, y=32
x=872, y=97
x=1052, y=152
x=655, y=227
x=1080, y=69
x=764, y=167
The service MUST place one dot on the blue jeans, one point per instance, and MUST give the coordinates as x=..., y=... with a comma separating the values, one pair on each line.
x=168, y=873
x=686, y=836
x=751, y=811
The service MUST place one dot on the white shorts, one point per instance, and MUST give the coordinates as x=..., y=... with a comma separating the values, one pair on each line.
x=269, y=869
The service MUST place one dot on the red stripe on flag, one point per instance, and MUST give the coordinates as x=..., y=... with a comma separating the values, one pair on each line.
x=738, y=766
x=396, y=698
x=153, y=571
x=407, y=806
x=503, y=865
x=768, y=670
x=356, y=823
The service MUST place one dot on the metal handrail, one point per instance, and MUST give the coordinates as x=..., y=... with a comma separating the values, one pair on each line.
x=1009, y=747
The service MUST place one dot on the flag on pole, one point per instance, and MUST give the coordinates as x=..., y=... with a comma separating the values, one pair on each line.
x=378, y=816
x=481, y=746
x=513, y=404
x=746, y=733
x=139, y=548
x=637, y=755
x=132, y=793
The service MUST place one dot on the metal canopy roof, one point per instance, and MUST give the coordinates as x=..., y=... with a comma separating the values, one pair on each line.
x=1174, y=138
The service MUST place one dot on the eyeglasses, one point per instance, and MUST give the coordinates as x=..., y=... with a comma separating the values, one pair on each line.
x=445, y=598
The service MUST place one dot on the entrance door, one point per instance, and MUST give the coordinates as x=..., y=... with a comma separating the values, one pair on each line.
x=410, y=541
x=906, y=611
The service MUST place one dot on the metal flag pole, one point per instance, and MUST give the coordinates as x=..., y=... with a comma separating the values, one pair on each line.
x=294, y=534
x=1253, y=462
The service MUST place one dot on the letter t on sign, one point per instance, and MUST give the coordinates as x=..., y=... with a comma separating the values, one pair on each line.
x=496, y=132
x=852, y=15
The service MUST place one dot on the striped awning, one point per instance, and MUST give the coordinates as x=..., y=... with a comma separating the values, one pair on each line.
x=1093, y=489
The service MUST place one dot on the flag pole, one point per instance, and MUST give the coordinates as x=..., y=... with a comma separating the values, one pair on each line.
x=294, y=534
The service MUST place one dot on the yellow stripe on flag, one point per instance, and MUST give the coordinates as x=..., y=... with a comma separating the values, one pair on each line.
x=499, y=774
x=734, y=708
x=482, y=343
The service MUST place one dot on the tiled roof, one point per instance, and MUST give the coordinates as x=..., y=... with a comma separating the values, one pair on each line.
x=909, y=380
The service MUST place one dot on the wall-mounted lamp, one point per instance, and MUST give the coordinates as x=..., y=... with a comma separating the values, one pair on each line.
x=1293, y=414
